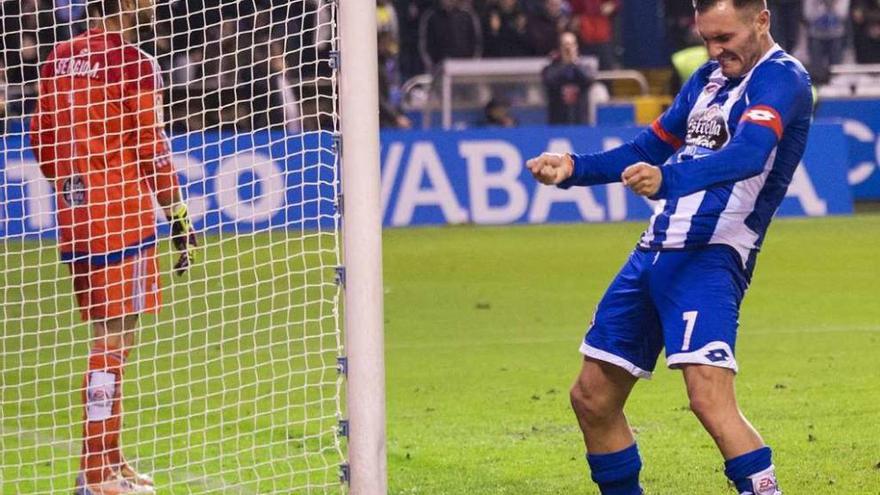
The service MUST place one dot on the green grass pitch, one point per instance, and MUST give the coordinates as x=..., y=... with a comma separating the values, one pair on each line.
x=482, y=330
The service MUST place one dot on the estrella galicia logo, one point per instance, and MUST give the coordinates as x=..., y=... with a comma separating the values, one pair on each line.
x=707, y=128
x=74, y=191
x=717, y=355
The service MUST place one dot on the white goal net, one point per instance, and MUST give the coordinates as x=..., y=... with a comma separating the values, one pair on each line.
x=234, y=384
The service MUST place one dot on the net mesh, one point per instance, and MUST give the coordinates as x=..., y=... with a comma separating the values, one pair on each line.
x=232, y=387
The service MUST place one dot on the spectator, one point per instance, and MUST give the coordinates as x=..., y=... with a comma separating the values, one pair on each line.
x=545, y=25
x=3, y=93
x=504, y=30
x=866, y=27
x=386, y=18
x=497, y=114
x=679, y=23
x=786, y=17
x=449, y=30
x=389, y=51
x=283, y=99
x=409, y=12
x=826, y=31
x=594, y=20
x=687, y=60
x=390, y=114
x=70, y=17
x=566, y=85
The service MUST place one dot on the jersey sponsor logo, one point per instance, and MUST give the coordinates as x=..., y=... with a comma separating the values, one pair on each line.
x=708, y=129
x=74, y=191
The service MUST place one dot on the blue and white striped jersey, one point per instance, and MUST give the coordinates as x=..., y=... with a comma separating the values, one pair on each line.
x=729, y=148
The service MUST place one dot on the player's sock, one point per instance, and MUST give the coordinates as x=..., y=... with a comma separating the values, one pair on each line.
x=102, y=393
x=753, y=473
x=617, y=473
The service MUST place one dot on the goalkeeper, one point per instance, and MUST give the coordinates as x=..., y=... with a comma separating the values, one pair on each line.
x=98, y=137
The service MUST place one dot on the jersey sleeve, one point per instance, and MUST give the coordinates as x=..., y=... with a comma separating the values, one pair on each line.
x=777, y=95
x=654, y=145
x=143, y=90
x=42, y=132
x=671, y=126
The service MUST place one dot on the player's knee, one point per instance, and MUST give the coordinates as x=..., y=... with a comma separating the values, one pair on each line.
x=712, y=406
x=703, y=407
x=590, y=405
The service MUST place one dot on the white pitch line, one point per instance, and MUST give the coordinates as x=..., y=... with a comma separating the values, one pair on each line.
x=71, y=448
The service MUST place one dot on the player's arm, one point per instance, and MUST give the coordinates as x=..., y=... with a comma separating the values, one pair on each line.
x=775, y=99
x=653, y=145
x=42, y=131
x=153, y=151
x=154, y=160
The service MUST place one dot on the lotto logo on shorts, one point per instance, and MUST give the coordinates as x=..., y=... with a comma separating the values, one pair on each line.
x=717, y=355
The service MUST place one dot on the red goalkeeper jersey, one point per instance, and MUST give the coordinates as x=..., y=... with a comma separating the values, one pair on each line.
x=98, y=136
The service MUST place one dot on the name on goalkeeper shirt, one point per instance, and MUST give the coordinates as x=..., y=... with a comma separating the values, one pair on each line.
x=77, y=67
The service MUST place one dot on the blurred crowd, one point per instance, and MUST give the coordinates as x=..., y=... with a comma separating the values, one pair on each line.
x=241, y=65
x=253, y=64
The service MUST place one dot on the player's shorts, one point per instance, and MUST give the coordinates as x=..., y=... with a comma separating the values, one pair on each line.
x=686, y=301
x=128, y=287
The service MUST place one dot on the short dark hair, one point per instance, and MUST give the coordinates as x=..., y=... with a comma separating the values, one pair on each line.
x=704, y=5
x=103, y=8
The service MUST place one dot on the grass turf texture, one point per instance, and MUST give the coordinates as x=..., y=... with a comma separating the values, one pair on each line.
x=482, y=330
x=483, y=326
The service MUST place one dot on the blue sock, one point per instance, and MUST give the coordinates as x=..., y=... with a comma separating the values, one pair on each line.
x=617, y=473
x=752, y=472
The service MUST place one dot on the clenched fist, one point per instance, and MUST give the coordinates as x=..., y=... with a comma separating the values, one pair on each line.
x=643, y=178
x=551, y=168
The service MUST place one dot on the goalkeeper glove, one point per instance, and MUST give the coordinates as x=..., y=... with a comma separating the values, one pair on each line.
x=183, y=237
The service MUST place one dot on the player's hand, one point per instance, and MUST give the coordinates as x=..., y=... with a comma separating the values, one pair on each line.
x=643, y=178
x=183, y=237
x=551, y=168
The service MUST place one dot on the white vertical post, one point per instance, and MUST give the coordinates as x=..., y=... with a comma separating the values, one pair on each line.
x=362, y=246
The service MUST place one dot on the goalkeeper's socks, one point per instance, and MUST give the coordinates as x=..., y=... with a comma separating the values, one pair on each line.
x=753, y=473
x=617, y=473
x=102, y=397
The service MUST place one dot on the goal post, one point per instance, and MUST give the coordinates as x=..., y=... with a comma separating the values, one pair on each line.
x=362, y=246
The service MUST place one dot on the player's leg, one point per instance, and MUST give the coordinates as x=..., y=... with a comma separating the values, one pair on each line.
x=598, y=397
x=712, y=398
x=698, y=294
x=102, y=396
x=112, y=297
x=622, y=344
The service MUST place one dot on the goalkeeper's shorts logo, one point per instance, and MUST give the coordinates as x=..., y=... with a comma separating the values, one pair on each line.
x=74, y=191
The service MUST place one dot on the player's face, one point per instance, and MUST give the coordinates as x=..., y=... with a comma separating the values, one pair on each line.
x=734, y=37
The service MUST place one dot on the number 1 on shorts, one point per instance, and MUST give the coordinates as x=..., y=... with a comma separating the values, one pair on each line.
x=690, y=317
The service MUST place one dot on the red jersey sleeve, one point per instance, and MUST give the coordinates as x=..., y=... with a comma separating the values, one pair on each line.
x=42, y=134
x=143, y=100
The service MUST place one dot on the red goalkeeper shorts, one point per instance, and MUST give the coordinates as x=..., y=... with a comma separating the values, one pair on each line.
x=128, y=287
